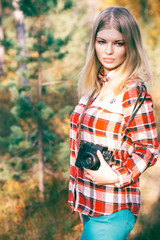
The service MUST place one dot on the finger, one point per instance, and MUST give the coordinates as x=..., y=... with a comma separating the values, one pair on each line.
x=88, y=176
x=100, y=156
x=88, y=170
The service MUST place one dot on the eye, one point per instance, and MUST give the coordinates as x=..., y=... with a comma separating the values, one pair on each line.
x=101, y=42
x=119, y=44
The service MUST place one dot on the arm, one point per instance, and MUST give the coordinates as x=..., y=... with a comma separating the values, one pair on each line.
x=72, y=174
x=143, y=134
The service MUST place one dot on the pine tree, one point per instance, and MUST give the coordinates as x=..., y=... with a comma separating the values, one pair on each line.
x=32, y=132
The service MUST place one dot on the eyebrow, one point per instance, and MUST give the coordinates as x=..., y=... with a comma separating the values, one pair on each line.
x=116, y=40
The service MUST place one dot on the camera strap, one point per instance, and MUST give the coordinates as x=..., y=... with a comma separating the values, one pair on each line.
x=137, y=106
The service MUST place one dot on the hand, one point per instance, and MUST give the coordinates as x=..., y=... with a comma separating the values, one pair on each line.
x=104, y=175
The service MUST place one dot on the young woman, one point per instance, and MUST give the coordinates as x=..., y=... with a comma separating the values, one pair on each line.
x=111, y=88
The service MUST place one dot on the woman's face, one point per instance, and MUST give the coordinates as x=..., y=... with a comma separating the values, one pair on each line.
x=110, y=49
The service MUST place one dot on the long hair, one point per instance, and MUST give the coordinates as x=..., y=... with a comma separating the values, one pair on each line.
x=135, y=64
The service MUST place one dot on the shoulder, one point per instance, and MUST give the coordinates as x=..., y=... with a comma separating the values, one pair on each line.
x=132, y=89
x=133, y=83
x=83, y=100
x=135, y=89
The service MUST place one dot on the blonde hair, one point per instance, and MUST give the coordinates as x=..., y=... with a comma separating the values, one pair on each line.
x=135, y=64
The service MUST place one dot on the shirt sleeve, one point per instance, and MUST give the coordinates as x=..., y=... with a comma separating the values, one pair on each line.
x=73, y=173
x=143, y=134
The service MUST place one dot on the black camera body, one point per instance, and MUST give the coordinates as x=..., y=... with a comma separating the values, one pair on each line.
x=87, y=156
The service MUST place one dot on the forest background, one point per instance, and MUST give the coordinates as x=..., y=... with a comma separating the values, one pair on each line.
x=42, y=49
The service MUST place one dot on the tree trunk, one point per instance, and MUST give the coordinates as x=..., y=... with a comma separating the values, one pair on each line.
x=1, y=46
x=21, y=39
x=40, y=125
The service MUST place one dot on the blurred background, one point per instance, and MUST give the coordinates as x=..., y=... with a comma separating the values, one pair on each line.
x=42, y=49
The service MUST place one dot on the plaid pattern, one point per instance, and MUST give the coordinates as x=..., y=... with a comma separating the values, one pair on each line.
x=102, y=123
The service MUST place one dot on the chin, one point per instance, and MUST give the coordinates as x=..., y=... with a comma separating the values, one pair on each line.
x=110, y=67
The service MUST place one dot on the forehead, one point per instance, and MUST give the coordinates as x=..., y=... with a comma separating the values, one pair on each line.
x=110, y=33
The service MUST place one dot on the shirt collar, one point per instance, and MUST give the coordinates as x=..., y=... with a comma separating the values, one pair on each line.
x=104, y=78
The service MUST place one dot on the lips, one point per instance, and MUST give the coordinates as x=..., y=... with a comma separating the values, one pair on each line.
x=108, y=60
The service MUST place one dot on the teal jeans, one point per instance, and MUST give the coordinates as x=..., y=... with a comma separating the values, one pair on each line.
x=115, y=226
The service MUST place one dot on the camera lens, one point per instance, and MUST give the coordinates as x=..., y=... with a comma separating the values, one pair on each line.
x=90, y=161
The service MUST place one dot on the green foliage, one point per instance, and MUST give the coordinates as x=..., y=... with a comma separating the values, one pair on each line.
x=63, y=157
x=8, y=43
x=7, y=119
x=49, y=38
x=57, y=44
x=22, y=108
x=22, y=142
x=7, y=3
x=65, y=112
x=40, y=7
x=36, y=8
x=43, y=111
x=19, y=141
x=68, y=4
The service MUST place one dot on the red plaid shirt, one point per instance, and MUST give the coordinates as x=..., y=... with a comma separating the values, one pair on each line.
x=102, y=123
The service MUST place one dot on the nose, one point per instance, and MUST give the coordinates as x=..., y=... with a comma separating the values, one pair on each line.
x=109, y=49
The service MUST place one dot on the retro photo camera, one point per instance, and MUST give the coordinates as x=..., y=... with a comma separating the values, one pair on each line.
x=87, y=156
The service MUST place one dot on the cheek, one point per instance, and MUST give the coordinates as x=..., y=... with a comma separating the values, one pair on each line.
x=122, y=54
x=98, y=54
x=97, y=50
